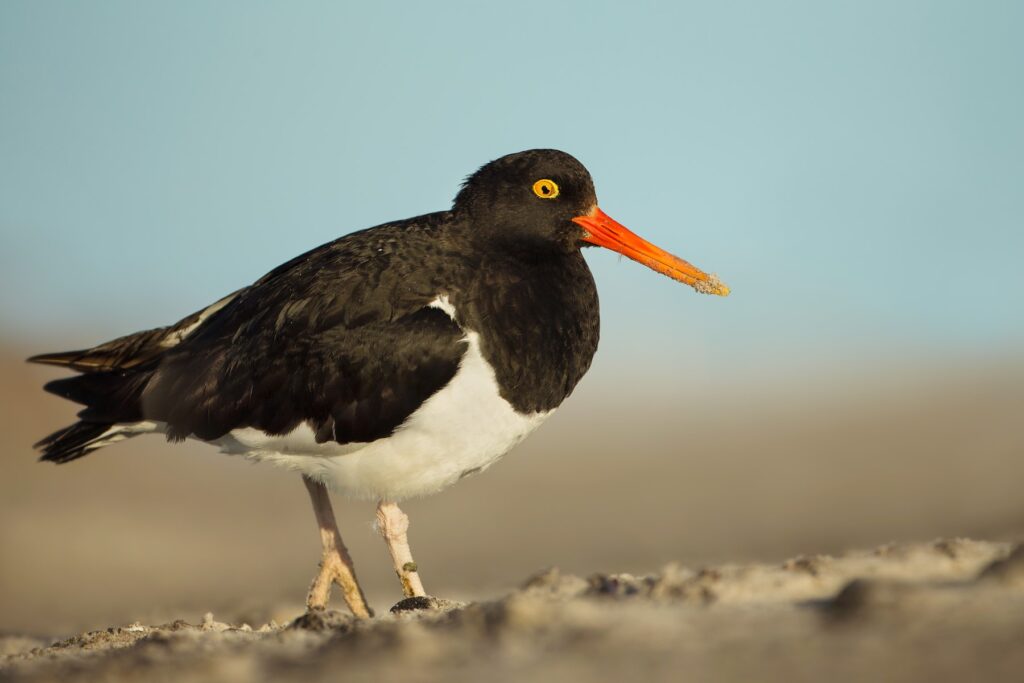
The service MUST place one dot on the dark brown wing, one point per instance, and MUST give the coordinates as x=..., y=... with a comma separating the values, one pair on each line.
x=342, y=337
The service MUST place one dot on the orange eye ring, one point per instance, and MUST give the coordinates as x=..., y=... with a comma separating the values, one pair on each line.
x=545, y=188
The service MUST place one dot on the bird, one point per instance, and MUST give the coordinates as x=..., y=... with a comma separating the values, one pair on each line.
x=385, y=365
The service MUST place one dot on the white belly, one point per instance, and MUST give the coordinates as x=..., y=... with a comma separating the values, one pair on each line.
x=462, y=429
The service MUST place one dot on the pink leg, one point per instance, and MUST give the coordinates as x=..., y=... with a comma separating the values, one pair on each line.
x=393, y=525
x=336, y=565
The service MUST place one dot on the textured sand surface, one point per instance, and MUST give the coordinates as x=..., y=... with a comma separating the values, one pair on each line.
x=947, y=610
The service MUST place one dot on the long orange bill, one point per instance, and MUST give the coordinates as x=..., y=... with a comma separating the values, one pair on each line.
x=604, y=231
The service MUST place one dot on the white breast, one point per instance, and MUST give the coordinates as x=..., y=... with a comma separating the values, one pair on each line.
x=462, y=429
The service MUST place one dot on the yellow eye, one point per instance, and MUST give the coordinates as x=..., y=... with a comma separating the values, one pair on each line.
x=545, y=189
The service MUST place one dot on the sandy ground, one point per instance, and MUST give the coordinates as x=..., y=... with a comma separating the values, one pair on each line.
x=947, y=610
x=629, y=476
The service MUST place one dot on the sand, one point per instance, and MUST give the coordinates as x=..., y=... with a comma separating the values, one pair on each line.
x=946, y=610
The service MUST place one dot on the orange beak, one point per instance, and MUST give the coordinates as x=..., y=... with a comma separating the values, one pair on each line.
x=604, y=231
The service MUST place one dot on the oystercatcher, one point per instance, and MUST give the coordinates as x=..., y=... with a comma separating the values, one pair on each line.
x=387, y=364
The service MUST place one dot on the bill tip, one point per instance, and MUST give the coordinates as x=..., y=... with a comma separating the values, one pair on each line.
x=712, y=286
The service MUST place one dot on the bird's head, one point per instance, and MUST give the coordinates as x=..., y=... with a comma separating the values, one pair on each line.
x=544, y=199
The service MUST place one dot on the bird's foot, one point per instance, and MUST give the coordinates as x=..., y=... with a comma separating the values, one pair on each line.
x=334, y=569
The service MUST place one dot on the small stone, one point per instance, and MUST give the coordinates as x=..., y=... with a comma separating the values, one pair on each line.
x=323, y=620
x=867, y=597
x=1008, y=571
x=553, y=582
x=804, y=564
x=427, y=603
x=618, y=585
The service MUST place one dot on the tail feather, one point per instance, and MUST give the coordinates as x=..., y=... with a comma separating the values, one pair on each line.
x=133, y=350
x=61, y=358
x=71, y=443
x=113, y=396
x=114, y=377
x=122, y=353
x=112, y=412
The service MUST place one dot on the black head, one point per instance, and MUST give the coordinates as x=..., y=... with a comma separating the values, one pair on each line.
x=543, y=200
x=528, y=199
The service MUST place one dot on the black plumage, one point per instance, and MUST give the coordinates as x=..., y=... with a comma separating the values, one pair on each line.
x=344, y=337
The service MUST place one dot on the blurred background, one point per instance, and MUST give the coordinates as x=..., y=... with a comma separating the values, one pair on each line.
x=852, y=170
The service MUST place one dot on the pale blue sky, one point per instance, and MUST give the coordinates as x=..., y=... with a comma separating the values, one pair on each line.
x=854, y=170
